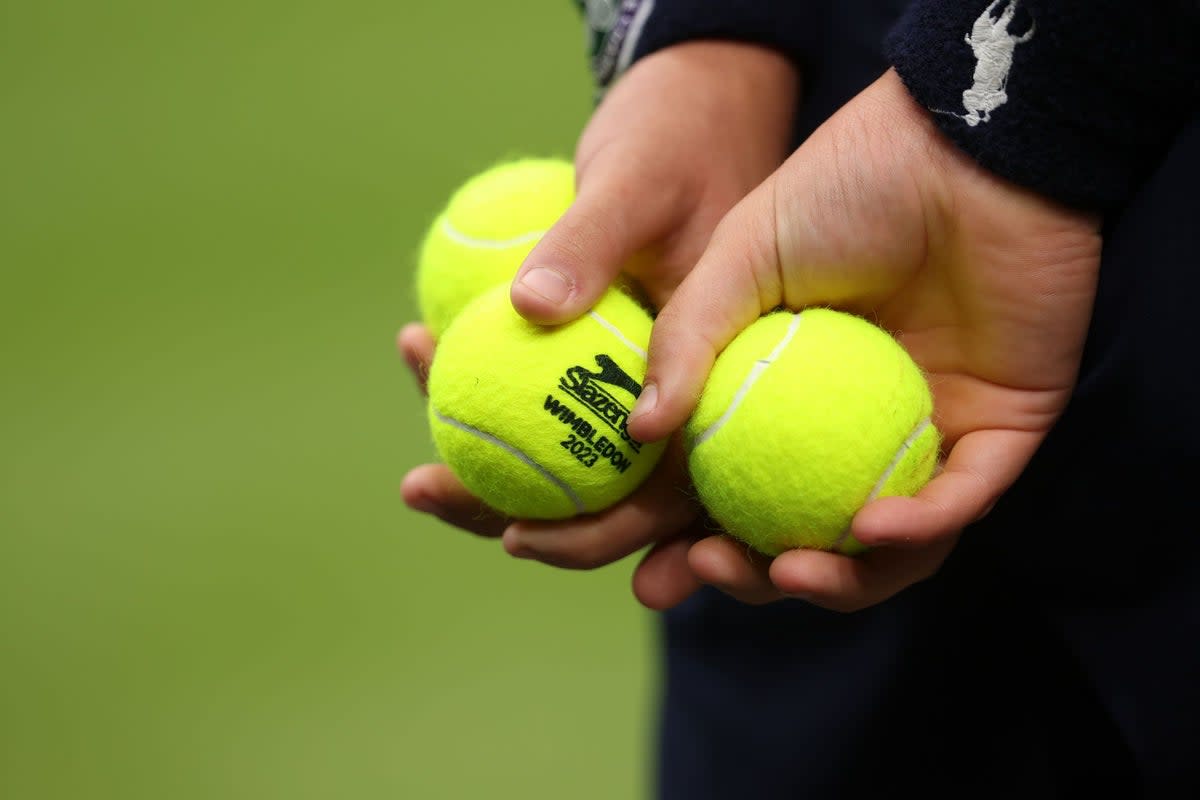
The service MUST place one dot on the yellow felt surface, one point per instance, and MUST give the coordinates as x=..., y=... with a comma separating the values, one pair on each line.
x=498, y=215
x=815, y=432
x=557, y=399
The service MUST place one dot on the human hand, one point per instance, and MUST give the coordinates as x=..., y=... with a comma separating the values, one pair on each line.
x=649, y=193
x=988, y=286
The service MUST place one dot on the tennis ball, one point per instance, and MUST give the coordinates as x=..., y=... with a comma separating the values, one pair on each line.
x=484, y=232
x=531, y=418
x=804, y=419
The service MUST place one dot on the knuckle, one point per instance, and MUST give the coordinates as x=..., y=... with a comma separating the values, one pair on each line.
x=579, y=236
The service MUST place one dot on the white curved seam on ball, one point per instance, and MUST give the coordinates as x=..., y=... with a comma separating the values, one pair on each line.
x=459, y=237
x=756, y=372
x=905, y=446
x=487, y=437
x=615, y=331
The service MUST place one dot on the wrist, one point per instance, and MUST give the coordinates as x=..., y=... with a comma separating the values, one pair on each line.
x=745, y=90
x=949, y=170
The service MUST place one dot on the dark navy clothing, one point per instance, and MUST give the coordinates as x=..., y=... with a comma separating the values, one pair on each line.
x=1055, y=654
x=1057, y=651
x=1096, y=91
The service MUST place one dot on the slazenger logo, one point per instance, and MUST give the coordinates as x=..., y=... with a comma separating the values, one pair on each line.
x=595, y=390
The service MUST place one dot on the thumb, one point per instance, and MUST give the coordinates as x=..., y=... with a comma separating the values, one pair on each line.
x=615, y=214
x=735, y=281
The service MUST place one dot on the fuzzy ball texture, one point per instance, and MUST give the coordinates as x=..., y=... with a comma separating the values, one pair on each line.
x=804, y=419
x=531, y=418
x=485, y=231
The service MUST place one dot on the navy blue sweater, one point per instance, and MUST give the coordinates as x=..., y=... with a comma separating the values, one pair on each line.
x=1072, y=99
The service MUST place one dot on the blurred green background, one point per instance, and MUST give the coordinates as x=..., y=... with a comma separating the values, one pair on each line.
x=209, y=586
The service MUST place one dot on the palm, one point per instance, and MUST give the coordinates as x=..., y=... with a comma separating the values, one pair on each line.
x=988, y=286
x=992, y=300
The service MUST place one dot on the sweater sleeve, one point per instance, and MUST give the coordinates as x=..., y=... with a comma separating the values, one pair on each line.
x=1075, y=99
x=623, y=31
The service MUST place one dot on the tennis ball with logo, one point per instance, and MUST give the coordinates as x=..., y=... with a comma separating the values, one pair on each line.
x=532, y=419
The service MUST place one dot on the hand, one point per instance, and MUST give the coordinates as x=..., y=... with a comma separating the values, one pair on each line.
x=650, y=191
x=988, y=286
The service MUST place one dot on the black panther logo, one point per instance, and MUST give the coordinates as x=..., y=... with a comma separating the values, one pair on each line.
x=601, y=391
x=611, y=373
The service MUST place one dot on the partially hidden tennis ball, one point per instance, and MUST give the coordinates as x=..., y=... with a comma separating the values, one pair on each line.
x=531, y=418
x=485, y=230
x=804, y=418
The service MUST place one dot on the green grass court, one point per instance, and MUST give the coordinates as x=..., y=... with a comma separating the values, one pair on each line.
x=209, y=587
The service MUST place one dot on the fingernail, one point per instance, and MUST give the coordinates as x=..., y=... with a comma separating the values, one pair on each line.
x=646, y=401
x=547, y=283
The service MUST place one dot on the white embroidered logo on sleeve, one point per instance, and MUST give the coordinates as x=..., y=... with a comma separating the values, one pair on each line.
x=993, y=45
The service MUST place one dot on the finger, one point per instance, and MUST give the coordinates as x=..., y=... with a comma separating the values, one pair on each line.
x=734, y=282
x=433, y=489
x=415, y=343
x=734, y=569
x=981, y=467
x=658, y=509
x=664, y=579
x=620, y=209
x=845, y=583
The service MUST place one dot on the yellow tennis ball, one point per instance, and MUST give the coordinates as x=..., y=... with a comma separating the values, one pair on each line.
x=484, y=232
x=532, y=418
x=804, y=419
